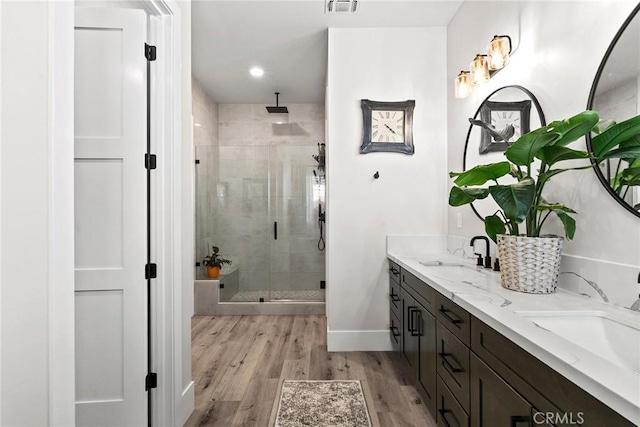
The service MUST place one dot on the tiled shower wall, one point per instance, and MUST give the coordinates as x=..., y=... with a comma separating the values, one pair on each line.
x=254, y=171
x=205, y=139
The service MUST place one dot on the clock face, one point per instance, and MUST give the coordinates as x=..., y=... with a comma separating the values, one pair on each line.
x=387, y=126
x=500, y=119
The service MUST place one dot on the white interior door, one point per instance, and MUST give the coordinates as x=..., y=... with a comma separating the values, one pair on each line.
x=110, y=217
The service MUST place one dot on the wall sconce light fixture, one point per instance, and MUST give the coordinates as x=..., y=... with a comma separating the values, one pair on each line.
x=484, y=66
x=480, y=69
x=499, y=51
x=463, y=84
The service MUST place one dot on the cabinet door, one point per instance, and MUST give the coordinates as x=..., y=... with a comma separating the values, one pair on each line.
x=427, y=357
x=409, y=329
x=493, y=402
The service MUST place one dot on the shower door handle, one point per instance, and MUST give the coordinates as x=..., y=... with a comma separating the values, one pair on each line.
x=275, y=230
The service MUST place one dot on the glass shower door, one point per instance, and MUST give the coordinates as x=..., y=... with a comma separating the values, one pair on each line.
x=242, y=217
x=296, y=194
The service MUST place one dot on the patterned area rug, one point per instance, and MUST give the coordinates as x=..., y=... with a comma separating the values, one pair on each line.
x=322, y=403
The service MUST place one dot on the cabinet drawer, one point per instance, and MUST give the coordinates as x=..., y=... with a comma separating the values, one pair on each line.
x=455, y=318
x=395, y=329
x=394, y=272
x=450, y=413
x=394, y=297
x=453, y=364
x=543, y=387
x=426, y=292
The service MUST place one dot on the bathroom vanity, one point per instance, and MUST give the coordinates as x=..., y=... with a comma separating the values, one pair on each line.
x=486, y=356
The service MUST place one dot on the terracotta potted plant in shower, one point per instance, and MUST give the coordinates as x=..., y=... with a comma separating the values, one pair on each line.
x=214, y=263
x=529, y=260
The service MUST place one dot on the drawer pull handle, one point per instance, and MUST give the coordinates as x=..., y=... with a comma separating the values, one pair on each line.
x=394, y=271
x=410, y=311
x=395, y=331
x=445, y=362
x=451, y=318
x=517, y=419
x=394, y=297
x=443, y=415
x=415, y=332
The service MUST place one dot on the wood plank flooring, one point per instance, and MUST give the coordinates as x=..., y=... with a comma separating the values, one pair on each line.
x=239, y=363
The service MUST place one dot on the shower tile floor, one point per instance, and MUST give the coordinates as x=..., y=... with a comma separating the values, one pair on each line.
x=254, y=296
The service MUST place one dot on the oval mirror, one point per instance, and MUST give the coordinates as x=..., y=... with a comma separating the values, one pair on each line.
x=510, y=111
x=615, y=94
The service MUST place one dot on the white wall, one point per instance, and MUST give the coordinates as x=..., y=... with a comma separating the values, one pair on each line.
x=558, y=48
x=25, y=245
x=382, y=64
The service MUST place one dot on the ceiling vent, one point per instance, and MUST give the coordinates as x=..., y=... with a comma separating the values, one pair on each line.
x=341, y=6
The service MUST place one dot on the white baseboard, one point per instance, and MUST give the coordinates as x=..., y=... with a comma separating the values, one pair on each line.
x=187, y=404
x=358, y=341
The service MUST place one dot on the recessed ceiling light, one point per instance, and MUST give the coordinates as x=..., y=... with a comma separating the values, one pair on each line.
x=256, y=72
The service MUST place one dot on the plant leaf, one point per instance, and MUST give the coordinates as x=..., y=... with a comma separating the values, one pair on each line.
x=559, y=207
x=462, y=196
x=516, y=199
x=481, y=174
x=546, y=176
x=615, y=135
x=554, y=153
x=631, y=176
x=494, y=225
x=524, y=150
x=603, y=125
x=631, y=152
x=568, y=222
x=574, y=127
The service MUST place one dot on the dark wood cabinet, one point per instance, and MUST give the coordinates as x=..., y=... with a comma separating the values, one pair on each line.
x=471, y=375
x=409, y=329
x=493, y=402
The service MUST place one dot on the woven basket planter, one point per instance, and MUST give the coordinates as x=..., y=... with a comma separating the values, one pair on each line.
x=530, y=264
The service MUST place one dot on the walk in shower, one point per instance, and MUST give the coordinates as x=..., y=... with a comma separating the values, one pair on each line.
x=260, y=193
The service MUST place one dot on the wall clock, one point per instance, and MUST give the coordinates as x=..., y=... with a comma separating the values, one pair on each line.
x=388, y=126
x=501, y=114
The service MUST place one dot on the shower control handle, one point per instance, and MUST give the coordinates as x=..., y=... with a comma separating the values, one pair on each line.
x=275, y=230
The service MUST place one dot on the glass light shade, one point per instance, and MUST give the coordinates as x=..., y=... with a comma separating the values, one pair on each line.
x=479, y=70
x=462, y=85
x=498, y=52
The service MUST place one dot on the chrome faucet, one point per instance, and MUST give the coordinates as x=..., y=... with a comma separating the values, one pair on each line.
x=487, y=259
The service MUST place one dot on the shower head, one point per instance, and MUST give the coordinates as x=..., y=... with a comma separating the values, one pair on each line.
x=278, y=109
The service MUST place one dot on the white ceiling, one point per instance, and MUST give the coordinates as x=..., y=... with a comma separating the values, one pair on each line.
x=288, y=39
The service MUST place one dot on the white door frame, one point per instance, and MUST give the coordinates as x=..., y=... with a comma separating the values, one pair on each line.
x=172, y=402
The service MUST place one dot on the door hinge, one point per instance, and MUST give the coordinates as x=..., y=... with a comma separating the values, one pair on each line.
x=149, y=52
x=151, y=381
x=150, y=161
x=197, y=161
x=150, y=271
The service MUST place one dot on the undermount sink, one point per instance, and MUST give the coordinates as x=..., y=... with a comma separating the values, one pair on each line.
x=452, y=271
x=616, y=341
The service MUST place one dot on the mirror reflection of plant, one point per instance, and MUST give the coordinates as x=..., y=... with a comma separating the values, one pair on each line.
x=620, y=141
x=214, y=260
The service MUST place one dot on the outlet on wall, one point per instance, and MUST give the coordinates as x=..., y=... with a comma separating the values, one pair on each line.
x=459, y=219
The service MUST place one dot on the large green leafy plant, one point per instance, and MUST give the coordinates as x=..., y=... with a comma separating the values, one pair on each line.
x=522, y=201
x=621, y=144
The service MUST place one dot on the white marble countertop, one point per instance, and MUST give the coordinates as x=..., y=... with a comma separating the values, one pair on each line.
x=479, y=292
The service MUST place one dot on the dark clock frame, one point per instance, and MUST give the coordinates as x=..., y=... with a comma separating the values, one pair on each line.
x=487, y=144
x=369, y=108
